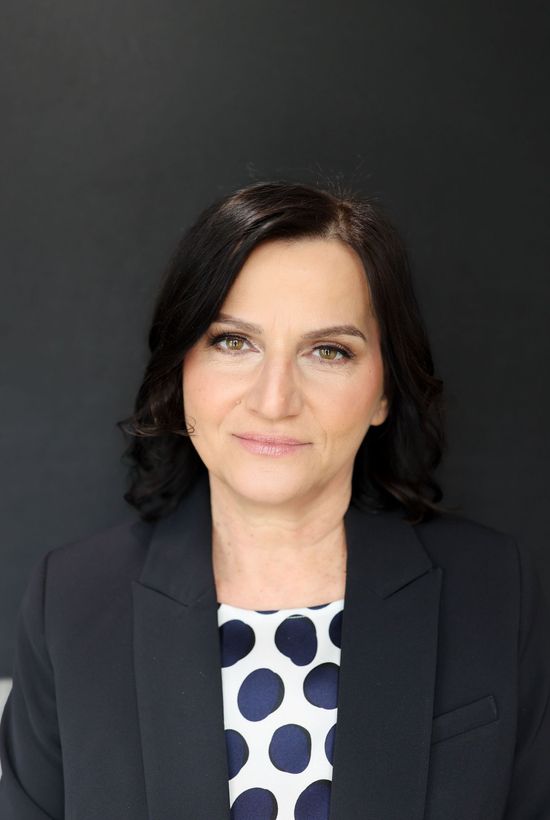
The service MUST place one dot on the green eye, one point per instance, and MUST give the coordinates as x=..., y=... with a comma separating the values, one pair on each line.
x=234, y=343
x=332, y=351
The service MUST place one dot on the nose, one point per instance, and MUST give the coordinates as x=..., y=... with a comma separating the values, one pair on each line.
x=274, y=391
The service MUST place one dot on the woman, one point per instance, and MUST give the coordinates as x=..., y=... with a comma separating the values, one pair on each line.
x=293, y=627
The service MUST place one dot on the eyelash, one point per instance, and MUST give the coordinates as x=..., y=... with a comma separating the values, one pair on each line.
x=214, y=339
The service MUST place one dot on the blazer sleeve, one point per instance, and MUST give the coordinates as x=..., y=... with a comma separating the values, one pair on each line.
x=31, y=786
x=529, y=795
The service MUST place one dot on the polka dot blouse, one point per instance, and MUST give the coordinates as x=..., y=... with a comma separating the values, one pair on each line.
x=280, y=690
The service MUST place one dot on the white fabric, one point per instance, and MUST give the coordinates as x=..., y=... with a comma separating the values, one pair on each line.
x=278, y=642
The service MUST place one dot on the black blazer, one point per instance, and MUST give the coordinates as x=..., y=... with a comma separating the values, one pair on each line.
x=116, y=709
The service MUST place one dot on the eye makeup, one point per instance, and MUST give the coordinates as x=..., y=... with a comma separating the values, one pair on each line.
x=215, y=340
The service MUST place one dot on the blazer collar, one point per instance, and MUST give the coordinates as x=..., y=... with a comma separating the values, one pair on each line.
x=179, y=562
x=387, y=669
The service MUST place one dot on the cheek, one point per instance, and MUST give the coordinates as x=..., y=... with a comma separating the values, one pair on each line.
x=205, y=392
x=350, y=408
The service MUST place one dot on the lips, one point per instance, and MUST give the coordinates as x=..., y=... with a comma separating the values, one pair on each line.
x=270, y=446
x=267, y=439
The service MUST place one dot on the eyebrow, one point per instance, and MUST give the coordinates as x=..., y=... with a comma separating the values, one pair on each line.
x=332, y=330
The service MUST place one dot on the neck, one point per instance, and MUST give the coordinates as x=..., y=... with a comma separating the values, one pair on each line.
x=275, y=558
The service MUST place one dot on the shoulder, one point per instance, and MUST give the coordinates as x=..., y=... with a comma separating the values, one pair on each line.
x=451, y=539
x=91, y=572
x=477, y=560
x=474, y=556
x=74, y=583
x=118, y=550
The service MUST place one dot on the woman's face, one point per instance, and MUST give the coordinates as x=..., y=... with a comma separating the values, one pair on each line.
x=287, y=374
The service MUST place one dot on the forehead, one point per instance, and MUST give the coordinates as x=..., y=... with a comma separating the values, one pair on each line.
x=302, y=277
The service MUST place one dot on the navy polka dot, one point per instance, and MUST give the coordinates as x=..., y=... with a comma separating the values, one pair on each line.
x=259, y=804
x=260, y=694
x=314, y=802
x=329, y=745
x=335, y=630
x=321, y=686
x=296, y=638
x=290, y=748
x=319, y=606
x=237, y=751
x=237, y=639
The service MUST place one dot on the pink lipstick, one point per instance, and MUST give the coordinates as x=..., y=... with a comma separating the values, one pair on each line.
x=270, y=445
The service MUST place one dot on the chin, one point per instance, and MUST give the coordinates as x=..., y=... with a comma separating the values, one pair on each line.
x=267, y=488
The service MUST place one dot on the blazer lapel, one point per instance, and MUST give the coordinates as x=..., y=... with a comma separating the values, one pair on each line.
x=387, y=671
x=178, y=668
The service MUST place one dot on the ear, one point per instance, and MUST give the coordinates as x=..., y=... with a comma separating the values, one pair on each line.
x=381, y=413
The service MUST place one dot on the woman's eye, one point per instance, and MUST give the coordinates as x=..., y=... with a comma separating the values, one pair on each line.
x=234, y=343
x=332, y=352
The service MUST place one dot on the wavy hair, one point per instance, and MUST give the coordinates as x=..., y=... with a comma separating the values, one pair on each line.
x=395, y=463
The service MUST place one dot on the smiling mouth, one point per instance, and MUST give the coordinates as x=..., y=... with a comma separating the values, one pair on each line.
x=268, y=446
x=267, y=439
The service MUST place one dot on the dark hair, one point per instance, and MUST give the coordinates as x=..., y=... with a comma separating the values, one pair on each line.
x=396, y=460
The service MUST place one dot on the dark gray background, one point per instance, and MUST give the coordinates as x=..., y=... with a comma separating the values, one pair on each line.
x=121, y=120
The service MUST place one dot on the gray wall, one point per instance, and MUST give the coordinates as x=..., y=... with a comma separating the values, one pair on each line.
x=122, y=119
